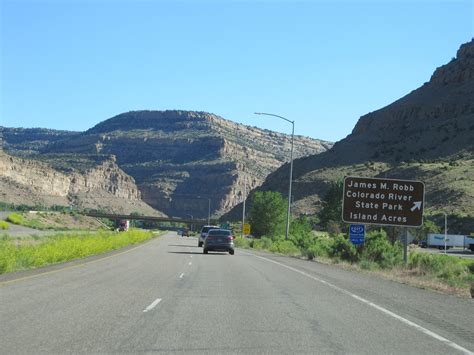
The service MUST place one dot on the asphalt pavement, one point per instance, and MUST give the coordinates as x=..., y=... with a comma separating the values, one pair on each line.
x=165, y=296
x=15, y=230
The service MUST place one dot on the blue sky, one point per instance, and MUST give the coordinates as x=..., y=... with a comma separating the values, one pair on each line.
x=71, y=64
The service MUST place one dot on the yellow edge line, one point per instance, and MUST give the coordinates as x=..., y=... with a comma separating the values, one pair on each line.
x=2, y=283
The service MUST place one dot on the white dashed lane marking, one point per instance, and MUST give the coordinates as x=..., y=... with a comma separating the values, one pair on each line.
x=152, y=305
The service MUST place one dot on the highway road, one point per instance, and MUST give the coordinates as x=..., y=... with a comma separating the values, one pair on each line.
x=165, y=296
x=15, y=230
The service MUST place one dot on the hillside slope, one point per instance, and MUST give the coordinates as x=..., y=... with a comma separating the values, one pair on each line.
x=426, y=135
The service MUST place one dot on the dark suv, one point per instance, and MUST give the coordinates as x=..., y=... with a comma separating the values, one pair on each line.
x=219, y=240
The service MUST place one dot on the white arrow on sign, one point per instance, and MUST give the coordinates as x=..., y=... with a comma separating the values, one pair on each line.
x=416, y=205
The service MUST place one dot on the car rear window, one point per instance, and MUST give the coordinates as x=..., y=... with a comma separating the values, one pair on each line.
x=206, y=229
x=220, y=233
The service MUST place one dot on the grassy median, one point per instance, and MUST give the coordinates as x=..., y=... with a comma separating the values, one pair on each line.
x=38, y=252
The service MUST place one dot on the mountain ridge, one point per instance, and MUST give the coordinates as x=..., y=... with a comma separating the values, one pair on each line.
x=177, y=157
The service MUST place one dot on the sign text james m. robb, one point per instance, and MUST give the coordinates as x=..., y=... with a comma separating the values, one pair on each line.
x=383, y=201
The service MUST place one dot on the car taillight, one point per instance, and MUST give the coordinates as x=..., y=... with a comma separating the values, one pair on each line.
x=231, y=237
x=209, y=237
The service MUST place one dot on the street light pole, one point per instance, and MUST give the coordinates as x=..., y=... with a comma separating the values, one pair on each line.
x=243, y=207
x=209, y=212
x=445, y=230
x=288, y=214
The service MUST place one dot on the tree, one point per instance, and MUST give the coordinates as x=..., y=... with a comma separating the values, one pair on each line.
x=332, y=210
x=268, y=213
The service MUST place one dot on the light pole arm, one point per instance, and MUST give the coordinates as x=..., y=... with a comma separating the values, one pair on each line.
x=271, y=114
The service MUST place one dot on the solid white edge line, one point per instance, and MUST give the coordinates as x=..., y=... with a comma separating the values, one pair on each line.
x=181, y=276
x=373, y=305
x=153, y=305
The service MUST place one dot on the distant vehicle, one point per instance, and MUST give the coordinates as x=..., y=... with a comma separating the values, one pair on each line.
x=124, y=225
x=452, y=241
x=469, y=243
x=185, y=233
x=203, y=234
x=219, y=240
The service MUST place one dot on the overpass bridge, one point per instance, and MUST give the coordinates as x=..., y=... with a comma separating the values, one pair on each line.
x=117, y=217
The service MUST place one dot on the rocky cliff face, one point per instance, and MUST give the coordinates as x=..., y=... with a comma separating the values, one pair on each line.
x=427, y=135
x=433, y=121
x=180, y=159
x=106, y=186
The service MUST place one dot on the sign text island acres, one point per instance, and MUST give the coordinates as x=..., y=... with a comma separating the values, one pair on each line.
x=383, y=201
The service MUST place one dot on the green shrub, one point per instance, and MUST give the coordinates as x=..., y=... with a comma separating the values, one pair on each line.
x=262, y=243
x=451, y=269
x=4, y=225
x=285, y=247
x=302, y=240
x=241, y=242
x=368, y=265
x=15, y=218
x=470, y=266
x=300, y=232
x=321, y=247
x=344, y=249
x=379, y=250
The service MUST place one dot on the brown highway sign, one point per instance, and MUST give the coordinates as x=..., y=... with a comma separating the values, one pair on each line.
x=383, y=201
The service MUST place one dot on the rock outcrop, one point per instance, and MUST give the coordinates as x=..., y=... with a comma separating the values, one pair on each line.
x=105, y=186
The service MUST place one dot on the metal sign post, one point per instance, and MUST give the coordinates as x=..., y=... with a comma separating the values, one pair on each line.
x=405, y=248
